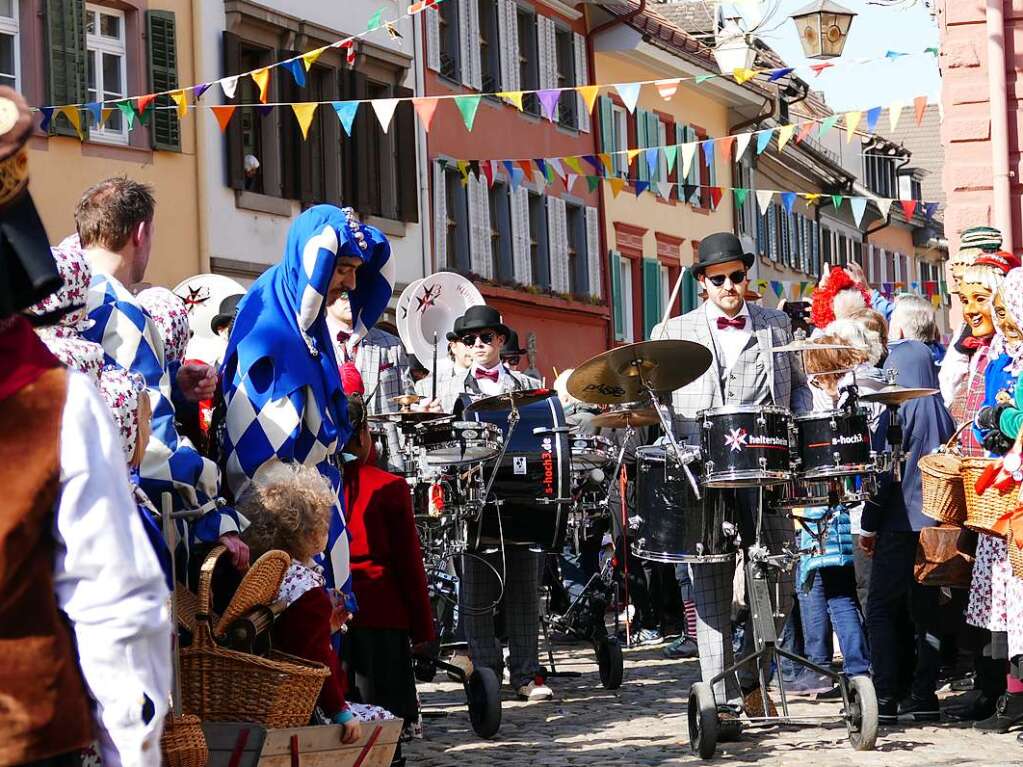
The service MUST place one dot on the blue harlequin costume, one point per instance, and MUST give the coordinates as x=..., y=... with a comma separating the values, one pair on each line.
x=132, y=341
x=281, y=382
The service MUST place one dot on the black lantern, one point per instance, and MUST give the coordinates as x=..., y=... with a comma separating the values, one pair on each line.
x=823, y=27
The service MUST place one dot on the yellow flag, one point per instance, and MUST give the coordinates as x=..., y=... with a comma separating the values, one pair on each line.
x=743, y=75
x=261, y=77
x=784, y=134
x=310, y=58
x=633, y=154
x=515, y=97
x=605, y=158
x=852, y=119
x=75, y=118
x=104, y=115
x=178, y=97
x=304, y=114
x=589, y=94
x=617, y=185
x=811, y=197
x=574, y=164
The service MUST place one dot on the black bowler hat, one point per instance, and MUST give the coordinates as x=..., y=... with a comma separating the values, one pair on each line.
x=511, y=346
x=720, y=248
x=480, y=318
x=225, y=316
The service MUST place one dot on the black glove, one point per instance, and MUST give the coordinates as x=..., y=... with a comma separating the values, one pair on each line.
x=996, y=442
x=988, y=417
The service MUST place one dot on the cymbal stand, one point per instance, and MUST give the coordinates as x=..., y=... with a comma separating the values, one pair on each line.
x=895, y=440
x=630, y=433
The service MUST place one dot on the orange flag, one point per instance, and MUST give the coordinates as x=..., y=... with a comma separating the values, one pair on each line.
x=920, y=105
x=425, y=109
x=223, y=114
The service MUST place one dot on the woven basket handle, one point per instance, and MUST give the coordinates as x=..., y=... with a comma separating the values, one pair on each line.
x=204, y=618
x=952, y=446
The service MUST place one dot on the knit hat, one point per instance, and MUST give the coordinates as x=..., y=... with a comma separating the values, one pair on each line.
x=171, y=316
x=986, y=238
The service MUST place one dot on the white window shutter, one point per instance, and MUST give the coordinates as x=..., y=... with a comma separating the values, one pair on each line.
x=440, y=215
x=544, y=59
x=485, y=267
x=557, y=231
x=508, y=32
x=432, y=38
x=593, y=259
x=521, y=235
x=582, y=77
x=465, y=40
x=552, y=55
x=476, y=255
x=475, y=66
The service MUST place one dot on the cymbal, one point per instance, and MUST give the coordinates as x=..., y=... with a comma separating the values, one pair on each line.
x=504, y=401
x=896, y=395
x=622, y=419
x=406, y=400
x=411, y=417
x=624, y=374
x=808, y=345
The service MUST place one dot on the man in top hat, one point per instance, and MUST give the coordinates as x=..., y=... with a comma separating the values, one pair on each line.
x=222, y=322
x=484, y=334
x=512, y=353
x=743, y=371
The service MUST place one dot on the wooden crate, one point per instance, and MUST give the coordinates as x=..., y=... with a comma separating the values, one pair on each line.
x=250, y=745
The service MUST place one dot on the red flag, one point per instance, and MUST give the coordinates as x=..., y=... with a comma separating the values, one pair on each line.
x=818, y=68
x=725, y=145
x=920, y=105
x=804, y=131
x=527, y=168
x=144, y=102
x=908, y=208
x=488, y=171
x=715, y=196
x=223, y=114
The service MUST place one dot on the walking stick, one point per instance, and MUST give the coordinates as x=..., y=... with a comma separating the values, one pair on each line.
x=170, y=536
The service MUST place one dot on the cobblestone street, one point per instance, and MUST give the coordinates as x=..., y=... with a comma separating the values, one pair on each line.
x=644, y=723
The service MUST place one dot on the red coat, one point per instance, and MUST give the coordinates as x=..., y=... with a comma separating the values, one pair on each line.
x=388, y=576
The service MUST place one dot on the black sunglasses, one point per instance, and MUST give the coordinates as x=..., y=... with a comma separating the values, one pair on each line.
x=486, y=337
x=737, y=278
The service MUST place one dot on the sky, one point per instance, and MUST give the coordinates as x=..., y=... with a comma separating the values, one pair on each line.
x=906, y=27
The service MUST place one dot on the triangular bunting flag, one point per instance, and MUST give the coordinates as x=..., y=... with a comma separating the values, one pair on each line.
x=778, y=288
x=784, y=135
x=346, y=111
x=708, y=152
x=304, y=113
x=804, y=131
x=908, y=208
x=127, y=112
x=811, y=198
x=670, y=153
x=836, y=200
x=309, y=58
x=575, y=164
x=688, y=150
x=541, y=165
x=818, y=68
x=490, y=170
x=764, y=197
x=200, y=89
x=931, y=50
x=667, y=88
x=884, y=205
x=617, y=185
x=515, y=97
x=142, y=103
x=375, y=20
x=664, y=189
x=516, y=177
x=554, y=163
x=509, y=168
x=589, y=94
x=468, y=105
x=297, y=69
x=261, y=77
x=629, y=93
x=229, y=85
x=549, y=103
x=223, y=114
x=95, y=111
x=651, y=160
x=527, y=169
x=570, y=180
x=700, y=79
x=779, y=73
x=74, y=117
x=716, y=193
x=385, y=111
x=178, y=97
x=872, y=117
x=641, y=186
x=788, y=200
x=740, y=196
x=593, y=160
x=852, y=121
x=725, y=145
x=104, y=115
x=919, y=107
x=463, y=168
x=592, y=183
x=743, y=75
x=893, y=55
x=741, y=143
x=632, y=154
x=688, y=190
x=930, y=209
x=763, y=139
x=47, y=113
x=425, y=108
x=607, y=162
x=827, y=124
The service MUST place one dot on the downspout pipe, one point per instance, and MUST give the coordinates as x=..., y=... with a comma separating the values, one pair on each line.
x=997, y=95
x=200, y=125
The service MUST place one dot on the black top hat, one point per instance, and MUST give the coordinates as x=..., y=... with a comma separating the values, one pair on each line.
x=720, y=248
x=480, y=318
x=511, y=346
x=226, y=314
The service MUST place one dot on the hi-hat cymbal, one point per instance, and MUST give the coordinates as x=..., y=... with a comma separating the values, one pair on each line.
x=411, y=417
x=622, y=419
x=506, y=400
x=807, y=345
x=896, y=395
x=625, y=374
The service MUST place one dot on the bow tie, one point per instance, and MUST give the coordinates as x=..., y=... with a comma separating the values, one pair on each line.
x=738, y=323
x=490, y=375
x=972, y=342
x=342, y=337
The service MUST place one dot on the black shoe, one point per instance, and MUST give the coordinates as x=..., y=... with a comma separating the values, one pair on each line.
x=917, y=710
x=982, y=707
x=962, y=684
x=1008, y=712
x=888, y=712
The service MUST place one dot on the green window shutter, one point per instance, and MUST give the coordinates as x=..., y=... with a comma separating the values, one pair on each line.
x=654, y=136
x=642, y=142
x=651, y=295
x=66, y=74
x=690, y=292
x=606, y=126
x=680, y=138
x=616, y=295
x=165, y=129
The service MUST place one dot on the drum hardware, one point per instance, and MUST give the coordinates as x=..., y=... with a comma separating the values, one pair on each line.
x=619, y=419
x=512, y=399
x=405, y=401
x=410, y=418
x=894, y=395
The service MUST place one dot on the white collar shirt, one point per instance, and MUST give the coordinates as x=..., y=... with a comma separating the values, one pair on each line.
x=488, y=387
x=730, y=341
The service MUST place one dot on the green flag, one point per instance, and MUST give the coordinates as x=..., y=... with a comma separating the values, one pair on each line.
x=828, y=124
x=375, y=20
x=836, y=200
x=593, y=182
x=128, y=111
x=740, y=196
x=468, y=105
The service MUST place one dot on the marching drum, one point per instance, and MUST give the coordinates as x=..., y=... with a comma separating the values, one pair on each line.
x=675, y=526
x=833, y=444
x=458, y=443
x=802, y=493
x=746, y=446
x=591, y=452
x=533, y=483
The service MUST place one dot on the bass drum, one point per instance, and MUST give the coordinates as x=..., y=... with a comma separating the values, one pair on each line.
x=675, y=526
x=534, y=481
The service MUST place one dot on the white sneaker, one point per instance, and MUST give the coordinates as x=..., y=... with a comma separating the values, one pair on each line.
x=626, y=615
x=535, y=690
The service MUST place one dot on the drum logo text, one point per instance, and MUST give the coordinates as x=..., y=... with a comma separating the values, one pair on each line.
x=852, y=439
x=547, y=460
x=607, y=391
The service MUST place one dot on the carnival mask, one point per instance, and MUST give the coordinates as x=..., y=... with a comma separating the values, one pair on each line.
x=976, y=300
x=1008, y=325
x=959, y=263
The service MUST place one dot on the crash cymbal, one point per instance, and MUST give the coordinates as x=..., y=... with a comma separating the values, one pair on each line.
x=896, y=395
x=505, y=401
x=405, y=401
x=411, y=417
x=622, y=419
x=809, y=345
x=624, y=374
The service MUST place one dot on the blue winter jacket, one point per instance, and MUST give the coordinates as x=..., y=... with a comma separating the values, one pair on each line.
x=838, y=546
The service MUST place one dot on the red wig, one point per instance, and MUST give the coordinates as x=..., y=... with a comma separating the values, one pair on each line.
x=823, y=306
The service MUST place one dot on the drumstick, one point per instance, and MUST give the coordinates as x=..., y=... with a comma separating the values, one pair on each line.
x=433, y=393
x=671, y=301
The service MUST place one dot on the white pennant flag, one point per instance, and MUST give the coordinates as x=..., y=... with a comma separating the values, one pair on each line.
x=894, y=111
x=570, y=180
x=559, y=169
x=764, y=197
x=858, y=205
x=741, y=143
x=385, y=111
x=688, y=151
x=664, y=189
x=884, y=204
x=229, y=85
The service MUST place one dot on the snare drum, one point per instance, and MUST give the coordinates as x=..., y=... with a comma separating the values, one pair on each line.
x=746, y=446
x=675, y=526
x=591, y=452
x=800, y=493
x=835, y=443
x=457, y=443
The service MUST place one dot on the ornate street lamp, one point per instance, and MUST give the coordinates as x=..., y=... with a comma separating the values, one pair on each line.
x=823, y=28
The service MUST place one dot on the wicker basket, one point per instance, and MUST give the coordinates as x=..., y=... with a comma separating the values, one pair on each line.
x=220, y=685
x=1015, y=553
x=983, y=511
x=942, y=480
x=183, y=743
